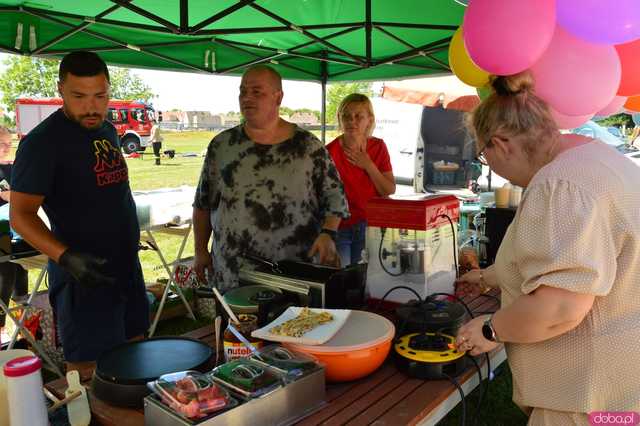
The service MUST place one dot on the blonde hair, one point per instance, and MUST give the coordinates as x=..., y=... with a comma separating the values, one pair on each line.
x=514, y=110
x=357, y=98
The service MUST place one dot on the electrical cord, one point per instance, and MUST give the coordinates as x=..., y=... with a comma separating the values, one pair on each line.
x=463, y=419
x=483, y=391
x=453, y=238
x=383, y=231
x=398, y=287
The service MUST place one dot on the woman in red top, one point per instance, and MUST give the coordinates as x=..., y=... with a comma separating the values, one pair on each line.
x=365, y=169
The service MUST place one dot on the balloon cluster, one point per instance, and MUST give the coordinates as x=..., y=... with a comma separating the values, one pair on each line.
x=583, y=54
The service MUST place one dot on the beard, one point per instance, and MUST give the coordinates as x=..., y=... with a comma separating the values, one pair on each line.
x=91, y=121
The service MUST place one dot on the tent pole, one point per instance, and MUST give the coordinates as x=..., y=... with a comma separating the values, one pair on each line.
x=368, y=30
x=323, y=113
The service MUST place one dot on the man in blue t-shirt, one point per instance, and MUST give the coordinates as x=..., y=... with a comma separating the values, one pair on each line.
x=72, y=166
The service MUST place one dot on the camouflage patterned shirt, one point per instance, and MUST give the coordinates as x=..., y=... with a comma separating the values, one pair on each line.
x=269, y=200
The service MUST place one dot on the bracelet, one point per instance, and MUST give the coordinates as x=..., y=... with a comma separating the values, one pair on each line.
x=330, y=232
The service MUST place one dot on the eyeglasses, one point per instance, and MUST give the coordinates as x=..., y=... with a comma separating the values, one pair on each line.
x=480, y=157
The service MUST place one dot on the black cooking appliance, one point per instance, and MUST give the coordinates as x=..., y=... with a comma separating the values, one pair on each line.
x=123, y=371
x=424, y=345
x=312, y=284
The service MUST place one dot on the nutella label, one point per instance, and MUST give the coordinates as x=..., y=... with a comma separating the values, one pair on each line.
x=238, y=350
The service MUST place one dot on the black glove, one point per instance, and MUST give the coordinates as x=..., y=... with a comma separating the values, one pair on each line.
x=87, y=269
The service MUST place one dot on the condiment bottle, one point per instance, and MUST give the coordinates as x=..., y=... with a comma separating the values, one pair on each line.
x=233, y=347
x=515, y=195
x=24, y=391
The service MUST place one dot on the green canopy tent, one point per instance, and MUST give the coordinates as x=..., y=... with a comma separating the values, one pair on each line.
x=315, y=40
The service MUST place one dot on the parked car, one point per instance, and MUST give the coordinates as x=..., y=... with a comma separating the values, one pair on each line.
x=596, y=131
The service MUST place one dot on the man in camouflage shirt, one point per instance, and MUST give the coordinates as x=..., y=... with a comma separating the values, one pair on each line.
x=267, y=188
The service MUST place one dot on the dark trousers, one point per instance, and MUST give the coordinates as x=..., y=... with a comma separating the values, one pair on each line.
x=156, y=148
x=13, y=279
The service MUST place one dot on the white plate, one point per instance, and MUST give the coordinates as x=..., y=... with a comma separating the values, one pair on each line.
x=317, y=336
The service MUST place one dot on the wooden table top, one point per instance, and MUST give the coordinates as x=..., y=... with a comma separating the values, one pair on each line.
x=386, y=397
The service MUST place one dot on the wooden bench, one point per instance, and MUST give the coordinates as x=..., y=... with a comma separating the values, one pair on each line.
x=386, y=397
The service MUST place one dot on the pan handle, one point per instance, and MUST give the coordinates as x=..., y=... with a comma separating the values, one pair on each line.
x=275, y=268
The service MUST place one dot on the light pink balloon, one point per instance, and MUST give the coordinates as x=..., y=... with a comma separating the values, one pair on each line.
x=577, y=77
x=568, y=121
x=614, y=107
x=506, y=37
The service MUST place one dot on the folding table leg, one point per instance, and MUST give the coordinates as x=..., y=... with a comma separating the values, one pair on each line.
x=171, y=282
x=39, y=350
x=43, y=271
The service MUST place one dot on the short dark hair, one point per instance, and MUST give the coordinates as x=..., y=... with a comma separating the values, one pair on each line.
x=82, y=64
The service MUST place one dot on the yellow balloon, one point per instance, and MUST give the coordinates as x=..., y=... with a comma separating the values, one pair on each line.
x=462, y=65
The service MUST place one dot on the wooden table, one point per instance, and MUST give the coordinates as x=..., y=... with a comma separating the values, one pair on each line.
x=386, y=397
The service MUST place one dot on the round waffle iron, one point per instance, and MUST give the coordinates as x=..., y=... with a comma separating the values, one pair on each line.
x=425, y=346
x=432, y=316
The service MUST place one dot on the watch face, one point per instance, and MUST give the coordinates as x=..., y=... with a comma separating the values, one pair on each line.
x=487, y=332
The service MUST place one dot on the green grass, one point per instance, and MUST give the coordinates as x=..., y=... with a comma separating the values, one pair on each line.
x=179, y=171
x=497, y=409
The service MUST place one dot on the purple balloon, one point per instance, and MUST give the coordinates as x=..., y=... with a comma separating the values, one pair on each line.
x=601, y=21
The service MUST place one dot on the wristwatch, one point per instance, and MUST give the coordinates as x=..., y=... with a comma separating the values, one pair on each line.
x=330, y=232
x=489, y=332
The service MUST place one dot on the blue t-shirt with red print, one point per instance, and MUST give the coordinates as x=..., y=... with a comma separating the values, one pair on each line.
x=85, y=183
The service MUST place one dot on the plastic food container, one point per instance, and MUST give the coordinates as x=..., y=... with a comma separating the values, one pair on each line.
x=291, y=363
x=191, y=394
x=357, y=350
x=248, y=378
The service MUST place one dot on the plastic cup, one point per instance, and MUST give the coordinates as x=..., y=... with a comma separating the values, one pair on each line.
x=502, y=197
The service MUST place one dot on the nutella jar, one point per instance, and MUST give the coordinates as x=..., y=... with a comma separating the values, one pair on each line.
x=233, y=347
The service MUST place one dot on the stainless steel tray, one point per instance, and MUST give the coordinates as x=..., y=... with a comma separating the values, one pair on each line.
x=283, y=406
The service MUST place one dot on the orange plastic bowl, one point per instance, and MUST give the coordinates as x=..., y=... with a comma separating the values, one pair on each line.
x=357, y=349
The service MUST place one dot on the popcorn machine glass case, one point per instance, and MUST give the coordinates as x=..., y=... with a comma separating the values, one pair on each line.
x=411, y=241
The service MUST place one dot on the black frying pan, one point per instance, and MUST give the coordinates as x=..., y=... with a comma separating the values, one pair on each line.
x=123, y=371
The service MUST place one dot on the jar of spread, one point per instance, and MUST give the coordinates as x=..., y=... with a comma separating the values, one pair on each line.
x=233, y=347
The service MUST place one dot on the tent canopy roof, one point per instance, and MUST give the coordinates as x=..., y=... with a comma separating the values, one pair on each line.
x=317, y=40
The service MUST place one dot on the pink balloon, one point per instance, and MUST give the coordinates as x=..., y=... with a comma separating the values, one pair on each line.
x=568, y=121
x=601, y=21
x=507, y=37
x=614, y=107
x=577, y=77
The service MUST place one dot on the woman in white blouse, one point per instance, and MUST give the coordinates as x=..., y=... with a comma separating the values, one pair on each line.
x=568, y=267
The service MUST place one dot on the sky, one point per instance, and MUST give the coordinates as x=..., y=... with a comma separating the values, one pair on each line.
x=190, y=91
x=219, y=94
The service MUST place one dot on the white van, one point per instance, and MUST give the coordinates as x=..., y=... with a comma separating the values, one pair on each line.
x=429, y=147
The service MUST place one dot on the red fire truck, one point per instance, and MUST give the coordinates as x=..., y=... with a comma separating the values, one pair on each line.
x=132, y=119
